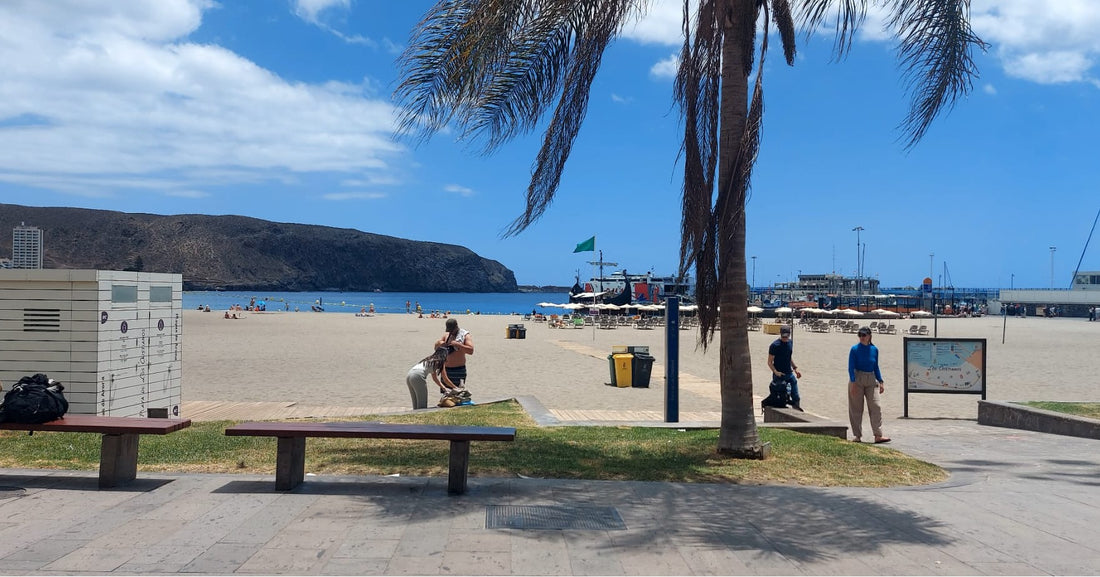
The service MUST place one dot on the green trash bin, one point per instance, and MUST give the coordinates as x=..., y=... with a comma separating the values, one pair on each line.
x=642, y=369
x=611, y=367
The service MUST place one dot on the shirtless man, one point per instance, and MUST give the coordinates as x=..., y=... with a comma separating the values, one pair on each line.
x=461, y=344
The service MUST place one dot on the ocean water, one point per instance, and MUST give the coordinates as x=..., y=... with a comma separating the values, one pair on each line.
x=386, y=302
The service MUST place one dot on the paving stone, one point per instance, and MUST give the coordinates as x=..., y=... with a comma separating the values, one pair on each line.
x=476, y=563
x=220, y=559
x=89, y=559
x=415, y=565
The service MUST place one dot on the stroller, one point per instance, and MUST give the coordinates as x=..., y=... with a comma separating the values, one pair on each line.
x=779, y=394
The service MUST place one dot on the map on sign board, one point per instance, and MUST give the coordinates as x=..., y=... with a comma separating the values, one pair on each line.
x=945, y=365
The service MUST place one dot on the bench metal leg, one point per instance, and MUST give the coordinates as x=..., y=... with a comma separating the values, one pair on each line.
x=290, y=464
x=117, y=460
x=459, y=465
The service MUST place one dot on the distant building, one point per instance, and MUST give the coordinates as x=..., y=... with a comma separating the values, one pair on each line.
x=831, y=284
x=1087, y=280
x=26, y=247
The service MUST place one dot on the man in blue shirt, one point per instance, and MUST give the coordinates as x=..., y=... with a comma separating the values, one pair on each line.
x=781, y=363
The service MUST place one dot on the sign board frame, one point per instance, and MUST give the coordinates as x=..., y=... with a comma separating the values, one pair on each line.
x=971, y=388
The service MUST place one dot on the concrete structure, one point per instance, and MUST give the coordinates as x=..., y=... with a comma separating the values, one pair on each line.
x=26, y=247
x=113, y=339
x=1018, y=416
x=1087, y=280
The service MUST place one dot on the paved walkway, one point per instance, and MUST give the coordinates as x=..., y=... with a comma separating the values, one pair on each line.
x=1017, y=502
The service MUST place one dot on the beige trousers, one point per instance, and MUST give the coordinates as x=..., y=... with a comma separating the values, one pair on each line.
x=865, y=389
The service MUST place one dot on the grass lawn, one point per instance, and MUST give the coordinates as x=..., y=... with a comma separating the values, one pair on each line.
x=1090, y=410
x=612, y=453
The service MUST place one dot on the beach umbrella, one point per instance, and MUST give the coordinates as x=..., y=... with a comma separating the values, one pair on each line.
x=920, y=314
x=783, y=310
x=573, y=306
x=891, y=314
x=689, y=308
x=755, y=310
x=546, y=304
x=852, y=312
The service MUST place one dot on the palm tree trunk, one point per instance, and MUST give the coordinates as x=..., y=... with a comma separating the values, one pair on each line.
x=738, y=436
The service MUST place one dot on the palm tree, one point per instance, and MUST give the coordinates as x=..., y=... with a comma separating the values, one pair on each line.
x=492, y=68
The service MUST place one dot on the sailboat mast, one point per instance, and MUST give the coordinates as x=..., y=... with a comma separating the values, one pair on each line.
x=1086, y=247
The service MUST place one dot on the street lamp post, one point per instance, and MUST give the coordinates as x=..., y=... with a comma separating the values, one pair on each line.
x=1012, y=280
x=1052, y=249
x=859, y=271
x=753, y=272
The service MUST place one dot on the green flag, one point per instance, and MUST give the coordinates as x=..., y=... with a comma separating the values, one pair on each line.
x=586, y=246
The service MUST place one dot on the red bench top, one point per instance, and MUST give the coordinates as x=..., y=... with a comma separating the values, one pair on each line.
x=362, y=429
x=105, y=425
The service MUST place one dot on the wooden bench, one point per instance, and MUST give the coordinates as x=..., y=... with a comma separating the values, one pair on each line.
x=291, y=457
x=119, y=449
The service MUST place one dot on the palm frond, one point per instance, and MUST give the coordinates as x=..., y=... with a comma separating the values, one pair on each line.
x=697, y=91
x=935, y=47
x=784, y=22
x=847, y=17
x=597, y=24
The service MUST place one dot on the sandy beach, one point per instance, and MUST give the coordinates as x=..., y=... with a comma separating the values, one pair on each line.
x=341, y=359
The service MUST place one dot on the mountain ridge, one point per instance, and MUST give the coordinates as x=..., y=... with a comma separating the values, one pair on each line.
x=233, y=252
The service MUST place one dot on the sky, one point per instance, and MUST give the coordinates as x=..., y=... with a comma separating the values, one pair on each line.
x=283, y=110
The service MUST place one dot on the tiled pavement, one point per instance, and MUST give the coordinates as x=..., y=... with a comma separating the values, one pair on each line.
x=1017, y=502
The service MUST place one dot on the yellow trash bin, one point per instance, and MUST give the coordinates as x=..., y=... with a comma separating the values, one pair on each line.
x=623, y=363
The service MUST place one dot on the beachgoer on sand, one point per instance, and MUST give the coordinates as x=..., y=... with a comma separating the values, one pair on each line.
x=432, y=366
x=461, y=345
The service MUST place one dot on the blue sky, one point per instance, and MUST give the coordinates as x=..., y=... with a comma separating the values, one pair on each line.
x=282, y=110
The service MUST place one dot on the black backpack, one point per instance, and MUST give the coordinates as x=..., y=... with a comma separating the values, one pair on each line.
x=779, y=394
x=34, y=400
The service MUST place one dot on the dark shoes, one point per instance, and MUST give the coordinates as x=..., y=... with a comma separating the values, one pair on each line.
x=797, y=407
x=882, y=440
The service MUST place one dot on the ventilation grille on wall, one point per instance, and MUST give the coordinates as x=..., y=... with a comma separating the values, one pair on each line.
x=42, y=320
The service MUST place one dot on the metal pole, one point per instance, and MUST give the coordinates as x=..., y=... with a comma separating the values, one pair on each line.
x=1052, y=249
x=859, y=272
x=753, y=276
x=672, y=363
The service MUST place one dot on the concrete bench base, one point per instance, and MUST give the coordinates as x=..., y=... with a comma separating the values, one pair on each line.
x=1015, y=416
x=796, y=420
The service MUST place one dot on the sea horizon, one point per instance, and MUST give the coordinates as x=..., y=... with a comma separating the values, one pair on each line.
x=383, y=302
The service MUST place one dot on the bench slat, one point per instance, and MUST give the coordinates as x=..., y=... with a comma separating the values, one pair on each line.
x=104, y=425
x=367, y=430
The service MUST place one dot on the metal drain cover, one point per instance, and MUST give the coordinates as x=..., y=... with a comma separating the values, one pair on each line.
x=9, y=492
x=553, y=517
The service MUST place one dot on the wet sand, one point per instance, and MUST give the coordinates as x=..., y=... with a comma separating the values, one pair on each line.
x=341, y=359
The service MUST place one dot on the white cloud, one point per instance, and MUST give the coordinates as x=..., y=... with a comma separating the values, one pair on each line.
x=460, y=190
x=662, y=24
x=310, y=10
x=314, y=12
x=1044, y=41
x=666, y=68
x=339, y=196
x=620, y=99
x=104, y=95
x=188, y=193
x=989, y=89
